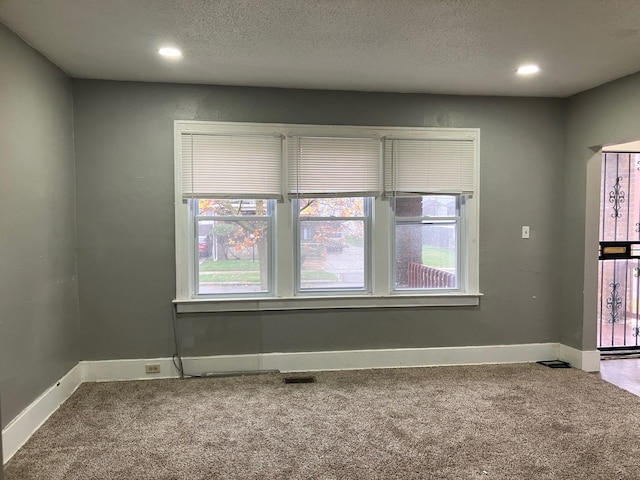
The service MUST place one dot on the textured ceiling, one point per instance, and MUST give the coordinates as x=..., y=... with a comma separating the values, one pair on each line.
x=434, y=46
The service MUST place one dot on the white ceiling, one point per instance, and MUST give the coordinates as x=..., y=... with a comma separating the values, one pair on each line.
x=432, y=46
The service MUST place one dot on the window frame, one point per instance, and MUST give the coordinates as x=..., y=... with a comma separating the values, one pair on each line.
x=299, y=221
x=194, y=219
x=284, y=296
x=420, y=220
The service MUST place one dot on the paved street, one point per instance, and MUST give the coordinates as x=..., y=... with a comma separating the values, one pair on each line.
x=347, y=265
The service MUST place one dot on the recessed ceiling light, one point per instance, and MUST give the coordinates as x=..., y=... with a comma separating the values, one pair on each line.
x=170, y=52
x=528, y=69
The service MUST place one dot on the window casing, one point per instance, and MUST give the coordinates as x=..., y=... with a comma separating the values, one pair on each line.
x=290, y=234
x=426, y=242
x=233, y=246
x=332, y=244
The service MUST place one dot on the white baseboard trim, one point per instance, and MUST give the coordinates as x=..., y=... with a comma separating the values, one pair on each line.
x=20, y=429
x=128, y=369
x=587, y=360
x=408, y=357
x=133, y=369
x=376, y=358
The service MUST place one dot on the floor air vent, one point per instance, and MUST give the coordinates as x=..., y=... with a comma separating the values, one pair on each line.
x=300, y=380
x=554, y=364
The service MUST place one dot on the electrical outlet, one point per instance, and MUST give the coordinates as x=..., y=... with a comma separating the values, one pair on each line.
x=150, y=368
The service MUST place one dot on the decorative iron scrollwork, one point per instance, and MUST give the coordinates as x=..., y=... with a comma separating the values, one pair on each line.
x=636, y=331
x=616, y=196
x=637, y=227
x=636, y=272
x=614, y=302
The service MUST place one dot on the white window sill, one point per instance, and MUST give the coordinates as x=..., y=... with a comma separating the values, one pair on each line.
x=210, y=305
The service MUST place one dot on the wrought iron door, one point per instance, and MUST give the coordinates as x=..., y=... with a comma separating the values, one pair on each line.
x=619, y=265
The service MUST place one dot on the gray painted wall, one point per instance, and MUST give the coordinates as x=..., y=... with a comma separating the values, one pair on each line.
x=605, y=115
x=38, y=281
x=124, y=161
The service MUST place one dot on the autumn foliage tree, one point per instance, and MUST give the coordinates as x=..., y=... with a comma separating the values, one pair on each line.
x=237, y=237
x=329, y=233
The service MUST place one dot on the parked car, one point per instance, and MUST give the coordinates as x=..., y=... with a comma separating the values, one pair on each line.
x=205, y=246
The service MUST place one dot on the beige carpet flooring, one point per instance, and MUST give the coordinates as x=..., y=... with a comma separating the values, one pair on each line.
x=477, y=422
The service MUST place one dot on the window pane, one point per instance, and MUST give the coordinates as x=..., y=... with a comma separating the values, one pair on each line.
x=332, y=254
x=332, y=207
x=232, y=207
x=439, y=206
x=426, y=255
x=233, y=256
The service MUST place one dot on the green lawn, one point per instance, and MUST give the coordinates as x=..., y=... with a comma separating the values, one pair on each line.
x=238, y=277
x=319, y=275
x=246, y=271
x=438, y=257
x=354, y=242
x=210, y=265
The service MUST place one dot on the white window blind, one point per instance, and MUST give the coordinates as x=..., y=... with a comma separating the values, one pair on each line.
x=429, y=166
x=231, y=166
x=325, y=166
